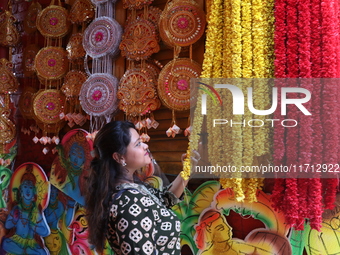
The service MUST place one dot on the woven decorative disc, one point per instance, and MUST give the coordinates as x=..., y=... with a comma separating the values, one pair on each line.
x=51, y=62
x=72, y=83
x=182, y=23
x=139, y=40
x=137, y=92
x=82, y=11
x=98, y=94
x=74, y=48
x=31, y=17
x=102, y=37
x=174, y=83
x=26, y=102
x=48, y=105
x=53, y=22
x=150, y=67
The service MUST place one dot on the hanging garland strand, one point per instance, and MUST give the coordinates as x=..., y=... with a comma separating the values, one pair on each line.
x=305, y=124
x=280, y=36
x=329, y=95
x=315, y=186
x=249, y=184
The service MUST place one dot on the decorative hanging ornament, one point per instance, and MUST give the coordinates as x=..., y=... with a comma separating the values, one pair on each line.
x=31, y=17
x=48, y=105
x=7, y=127
x=82, y=11
x=137, y=93
x=173, y=131
x=9, y=35
x=135, y=4
x=153, y=14
x=102, y=37
x=8, y=82
x=74, y=48
x=174, y=83
x=51, y=63
x=26, y=102
x=182, y=23
x=101, y=2
x=52, y=21
x=73, y=81
x=140, y=40
x=98, y=95
x=49, y=128
x=28, y=59
x=150, y=66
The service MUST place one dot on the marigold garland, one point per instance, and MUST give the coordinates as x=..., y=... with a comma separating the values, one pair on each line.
x=186, y=172
x=280, y=72
x=227, y=70
x=249, y=185
x=236, y=132
x=237, y=60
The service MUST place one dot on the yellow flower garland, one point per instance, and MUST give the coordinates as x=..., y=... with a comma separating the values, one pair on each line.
x=237, y=47
x=185, y=173
x=247, y=71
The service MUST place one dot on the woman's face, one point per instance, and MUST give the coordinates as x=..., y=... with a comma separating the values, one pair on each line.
x=136, y=155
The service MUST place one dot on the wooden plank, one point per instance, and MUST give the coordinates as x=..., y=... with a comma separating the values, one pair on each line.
x=173, y=145
x=171, y=168
x=168, y=156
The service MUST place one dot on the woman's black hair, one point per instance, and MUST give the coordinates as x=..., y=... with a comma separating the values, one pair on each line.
x=105, y=171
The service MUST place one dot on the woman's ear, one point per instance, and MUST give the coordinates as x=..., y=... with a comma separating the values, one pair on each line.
x=119, y=159
x=116, y=156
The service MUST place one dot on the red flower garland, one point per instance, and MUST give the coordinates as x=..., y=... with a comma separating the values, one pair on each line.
x=316, y=38
x=278, y=195
x=291, y=198
x=280, y=63
x=305, y=124
x=307, y=45
x=315, y=203
x=315, y=197
x=329, y=95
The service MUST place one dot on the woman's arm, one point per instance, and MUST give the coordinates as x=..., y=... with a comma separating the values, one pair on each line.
x=178, y=185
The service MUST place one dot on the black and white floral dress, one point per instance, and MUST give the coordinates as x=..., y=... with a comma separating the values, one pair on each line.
x=141, y=222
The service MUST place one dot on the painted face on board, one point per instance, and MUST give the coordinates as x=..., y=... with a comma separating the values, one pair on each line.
x=77, y=156
x=27, y=190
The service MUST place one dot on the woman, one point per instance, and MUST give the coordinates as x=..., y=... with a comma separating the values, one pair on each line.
x=133, y=217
